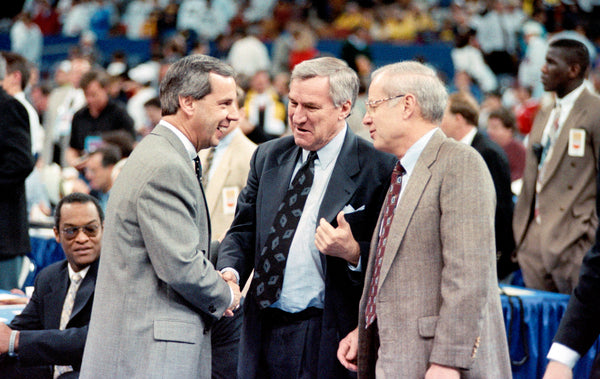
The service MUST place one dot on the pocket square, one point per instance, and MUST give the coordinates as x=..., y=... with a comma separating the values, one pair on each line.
x=350, y=209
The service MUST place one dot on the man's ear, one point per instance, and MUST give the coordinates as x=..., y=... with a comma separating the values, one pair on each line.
x=346, y=109
x=575, y=71
x=56, y=234
x=186, y=104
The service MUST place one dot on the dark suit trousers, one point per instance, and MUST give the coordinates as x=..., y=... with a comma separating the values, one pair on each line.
x=290, y=344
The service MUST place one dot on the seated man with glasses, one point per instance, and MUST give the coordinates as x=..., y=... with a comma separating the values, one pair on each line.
x=47, y=339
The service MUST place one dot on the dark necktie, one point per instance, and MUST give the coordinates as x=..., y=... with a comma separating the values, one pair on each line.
x=391, y=201
x=198, y=168
x=268, y=275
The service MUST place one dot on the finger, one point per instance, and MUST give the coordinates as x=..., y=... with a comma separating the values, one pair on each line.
x=341, y=220
x=326, y=227
x=228, y=313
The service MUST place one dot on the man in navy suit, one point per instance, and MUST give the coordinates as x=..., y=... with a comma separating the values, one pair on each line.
x=46, y=333
x=297, y=334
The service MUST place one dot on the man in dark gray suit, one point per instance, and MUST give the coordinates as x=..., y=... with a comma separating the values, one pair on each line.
x=157, y=293
x=293, y=330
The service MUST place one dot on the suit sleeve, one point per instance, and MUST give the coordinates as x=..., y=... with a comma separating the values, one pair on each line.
x=237, y=248
x=467, y=207
x=167, y=217
x=579, y=327
x=16, y=160
x=52, y=347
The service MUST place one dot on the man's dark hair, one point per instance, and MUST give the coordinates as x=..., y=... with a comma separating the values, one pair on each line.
x=120, y=138
x=94, y=75
x=17, y=62
x=574, y=53
x=154, y=102
x=76, y=197
x=111, y=154
x=505, y=116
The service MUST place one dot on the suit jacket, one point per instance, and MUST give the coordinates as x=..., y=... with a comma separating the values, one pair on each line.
x=437, y=300
x=497, y=163
x=40, y=340
x=568, y=189
x=156, y=291
x=360, y=178
x=230, y=175
x=579, y=327
x=16, y=162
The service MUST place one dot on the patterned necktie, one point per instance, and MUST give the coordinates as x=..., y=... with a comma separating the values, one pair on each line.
x=268, y=275
x=65, y=316
x=198, y=167
x=391, y=201
x=209, y=159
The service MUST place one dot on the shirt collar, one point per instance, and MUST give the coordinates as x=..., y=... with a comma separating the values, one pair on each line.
x=189, y=147
x=328, y=153
x=409, y=160
x=468, y=138
x=81, y=273
x=571, y=97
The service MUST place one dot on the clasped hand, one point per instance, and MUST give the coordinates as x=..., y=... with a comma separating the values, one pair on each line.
x=231, y=280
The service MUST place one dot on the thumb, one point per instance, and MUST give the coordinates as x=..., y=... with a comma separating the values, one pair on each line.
x=341, y=220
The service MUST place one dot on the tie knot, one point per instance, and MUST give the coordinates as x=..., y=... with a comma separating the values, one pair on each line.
x=399, y=169
x=312, y=156
x=76, y=278
x=198, y=167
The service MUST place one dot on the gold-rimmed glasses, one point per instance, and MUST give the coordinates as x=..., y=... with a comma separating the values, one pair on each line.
x=372, y=104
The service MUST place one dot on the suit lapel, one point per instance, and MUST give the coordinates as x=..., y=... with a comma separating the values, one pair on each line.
x=174, y=141
x=409, y=201
x=341, y=186
x=85, y=291
x=562, y=142
x=55, y=298
x=275, y=183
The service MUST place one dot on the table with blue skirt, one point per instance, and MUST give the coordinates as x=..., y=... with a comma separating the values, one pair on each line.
x=531, y=319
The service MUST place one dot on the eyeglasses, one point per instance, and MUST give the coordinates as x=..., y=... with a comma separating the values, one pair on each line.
x=73, y=231
x=371, y=105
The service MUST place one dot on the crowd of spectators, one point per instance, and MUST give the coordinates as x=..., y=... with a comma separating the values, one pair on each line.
x=498, y=49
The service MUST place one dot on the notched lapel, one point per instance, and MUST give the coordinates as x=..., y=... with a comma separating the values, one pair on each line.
x=562, y=142
x=55, y=298
x=341, y=185
x=409, y=201
x=85, y=291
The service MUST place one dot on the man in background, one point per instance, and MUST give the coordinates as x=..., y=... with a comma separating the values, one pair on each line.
x=16, y=163
x=100, y=114
x=99, y=167
x=460, y=122
x=555, y=219
x=49, y=335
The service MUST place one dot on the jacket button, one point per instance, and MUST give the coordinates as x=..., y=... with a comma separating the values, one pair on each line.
x=212, y=309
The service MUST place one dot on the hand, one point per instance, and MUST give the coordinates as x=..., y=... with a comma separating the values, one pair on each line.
x=237, y=296
x=15, y=300
x=557, y=370
x=337, y=242
x=229, y=276
x=348, y=351
x=441, y=372
x=5, y=338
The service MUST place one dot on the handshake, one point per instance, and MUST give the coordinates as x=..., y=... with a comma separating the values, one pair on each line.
x=230, y=278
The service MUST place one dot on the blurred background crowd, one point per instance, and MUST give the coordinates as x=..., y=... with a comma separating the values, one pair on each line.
x=491, y=49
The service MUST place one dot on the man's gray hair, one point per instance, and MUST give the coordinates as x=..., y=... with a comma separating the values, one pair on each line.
x=189, y=76
x=419, y=80
x=2, y=68
x=343, y=81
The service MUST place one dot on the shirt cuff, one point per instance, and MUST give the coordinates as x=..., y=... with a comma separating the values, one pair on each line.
x=563, y=354
x=231, y=269
x=232, y=296
x=358, y=267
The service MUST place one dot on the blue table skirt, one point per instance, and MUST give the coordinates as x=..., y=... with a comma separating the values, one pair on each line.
x=532, y=332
